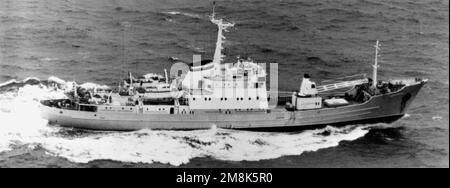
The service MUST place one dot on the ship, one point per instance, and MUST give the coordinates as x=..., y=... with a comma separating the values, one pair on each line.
x=210, y=93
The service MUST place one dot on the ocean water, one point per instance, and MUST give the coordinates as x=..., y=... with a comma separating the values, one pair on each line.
x=96, y=42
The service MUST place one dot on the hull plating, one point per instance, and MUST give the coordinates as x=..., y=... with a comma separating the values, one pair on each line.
x=381, y=108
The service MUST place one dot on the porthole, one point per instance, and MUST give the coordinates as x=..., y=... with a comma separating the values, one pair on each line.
x=242, y=99
x=249, y=98
x=257, y=98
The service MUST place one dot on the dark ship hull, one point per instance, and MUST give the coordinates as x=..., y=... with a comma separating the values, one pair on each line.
x=380, y=108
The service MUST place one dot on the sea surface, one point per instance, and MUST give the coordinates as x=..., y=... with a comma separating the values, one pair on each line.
x=96, y=43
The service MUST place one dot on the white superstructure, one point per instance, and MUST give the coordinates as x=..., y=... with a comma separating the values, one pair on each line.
x=213, y=85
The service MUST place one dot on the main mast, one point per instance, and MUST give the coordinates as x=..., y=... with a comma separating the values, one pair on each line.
x=221, y=26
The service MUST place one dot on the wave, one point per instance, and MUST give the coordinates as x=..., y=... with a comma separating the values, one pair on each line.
x=14, y=82
x=22, y=125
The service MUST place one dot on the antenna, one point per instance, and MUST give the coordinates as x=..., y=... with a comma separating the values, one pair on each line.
x=124, y=25
x=75, y=93
x=123, y=49
x=213, y=10
x=375, y=65
x=166, y=76
x=131, y=78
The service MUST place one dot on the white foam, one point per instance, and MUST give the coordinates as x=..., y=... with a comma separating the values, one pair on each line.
x=436, y=118
x=21, y=124
x=56, y=80
x=177, y=147
x=183, y=13
x=173, y=12
x=90, y=85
